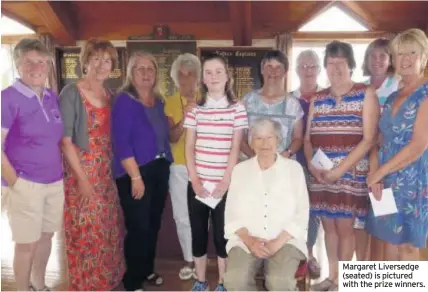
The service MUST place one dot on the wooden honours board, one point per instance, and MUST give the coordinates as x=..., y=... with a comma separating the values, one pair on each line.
x=165, y=52
x=69, y=69
x=244, y=63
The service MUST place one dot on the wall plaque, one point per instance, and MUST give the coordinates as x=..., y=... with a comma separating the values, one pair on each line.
x=165, y=52
x=244, y=64
x=69, y=70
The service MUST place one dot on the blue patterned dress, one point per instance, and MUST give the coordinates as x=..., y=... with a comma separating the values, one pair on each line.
x=409, y=184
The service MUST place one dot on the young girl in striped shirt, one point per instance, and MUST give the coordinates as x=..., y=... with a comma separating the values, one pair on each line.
x=214, y=131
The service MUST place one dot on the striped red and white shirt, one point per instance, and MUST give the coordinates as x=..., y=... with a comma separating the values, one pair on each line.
x=215, y=123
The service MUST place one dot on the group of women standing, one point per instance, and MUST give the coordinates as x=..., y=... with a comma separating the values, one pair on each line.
x=116, y=156
x=108, y=157
x=343, y=122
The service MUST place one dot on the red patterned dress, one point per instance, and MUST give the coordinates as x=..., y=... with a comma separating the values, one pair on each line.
x=94, y=231
x=337, y=128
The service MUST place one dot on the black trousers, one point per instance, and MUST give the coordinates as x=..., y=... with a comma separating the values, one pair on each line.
x=199, y=214
x=143, y=220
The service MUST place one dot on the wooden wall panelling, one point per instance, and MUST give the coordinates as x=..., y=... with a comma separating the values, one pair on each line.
x=240, y=19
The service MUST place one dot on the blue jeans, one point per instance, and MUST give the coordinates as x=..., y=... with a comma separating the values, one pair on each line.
x=314, y=225
x=314, y=221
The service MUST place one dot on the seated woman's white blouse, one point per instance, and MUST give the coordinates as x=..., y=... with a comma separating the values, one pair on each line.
x=267, y=202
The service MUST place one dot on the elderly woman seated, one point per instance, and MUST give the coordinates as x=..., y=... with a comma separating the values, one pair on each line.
x=266, y=216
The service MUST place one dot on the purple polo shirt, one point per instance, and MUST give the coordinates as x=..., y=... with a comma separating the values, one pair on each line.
x=34, y=132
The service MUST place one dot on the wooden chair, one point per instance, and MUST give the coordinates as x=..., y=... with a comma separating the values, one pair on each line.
x=302, y=277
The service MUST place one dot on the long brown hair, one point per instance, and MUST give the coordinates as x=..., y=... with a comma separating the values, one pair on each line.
x=229, y=84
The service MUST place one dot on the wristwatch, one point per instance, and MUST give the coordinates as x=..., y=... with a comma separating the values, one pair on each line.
x=289, y=151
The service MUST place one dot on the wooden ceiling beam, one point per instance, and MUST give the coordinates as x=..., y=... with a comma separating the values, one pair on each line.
x=60, y=19
x=316, y=10
x=153, y=12
x=240, y=19
x=201, y=31
x=322, y=36
x=354, y=9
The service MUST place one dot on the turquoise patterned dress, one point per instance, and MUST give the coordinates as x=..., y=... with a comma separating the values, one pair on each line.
x=410, y=184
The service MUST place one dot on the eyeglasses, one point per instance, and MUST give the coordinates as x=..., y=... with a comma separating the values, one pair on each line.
x=309, y=67
x=145, y=70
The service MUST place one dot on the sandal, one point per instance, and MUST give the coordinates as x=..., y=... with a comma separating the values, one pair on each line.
x=334, y=287
x=32, y=288
x=186, y=273
x=314, y=268
x=154, y=279
x=324, y=285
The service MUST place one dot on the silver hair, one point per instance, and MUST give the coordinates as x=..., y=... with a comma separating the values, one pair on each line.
x=262, y=123
x=308, y=53
x=29, y=44
x=188, y=61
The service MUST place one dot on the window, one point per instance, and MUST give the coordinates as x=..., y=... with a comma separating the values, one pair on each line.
x=12, y=27
x=333, y=19
x=359, y=48
x=8, y=71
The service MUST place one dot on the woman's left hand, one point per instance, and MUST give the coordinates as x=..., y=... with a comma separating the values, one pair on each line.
x=331, y=176
x=277, y=243
x=374, y=177
x=273, y=246
x=220, y=189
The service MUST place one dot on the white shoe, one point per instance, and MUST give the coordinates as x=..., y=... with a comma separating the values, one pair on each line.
x=186, y=273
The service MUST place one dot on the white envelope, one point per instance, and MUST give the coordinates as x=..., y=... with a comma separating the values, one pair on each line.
x=321, y=160
x=386, y=205
x=209, y=201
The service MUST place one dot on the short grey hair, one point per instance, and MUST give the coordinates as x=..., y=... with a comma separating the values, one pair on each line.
x=308, y=53
x=262, y=123
x=188, y=61
x=27, y=45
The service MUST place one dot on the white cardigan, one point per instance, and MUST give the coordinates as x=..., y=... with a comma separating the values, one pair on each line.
x=267, y=213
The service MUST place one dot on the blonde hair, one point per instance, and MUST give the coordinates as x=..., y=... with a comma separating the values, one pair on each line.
x=128, y=86
x=93, y=46
x=413, y=36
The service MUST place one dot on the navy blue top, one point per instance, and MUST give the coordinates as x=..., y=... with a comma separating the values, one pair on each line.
x=300, y=155
x=133, y=134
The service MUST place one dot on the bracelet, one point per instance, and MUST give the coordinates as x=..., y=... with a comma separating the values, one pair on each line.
x=136, y=177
